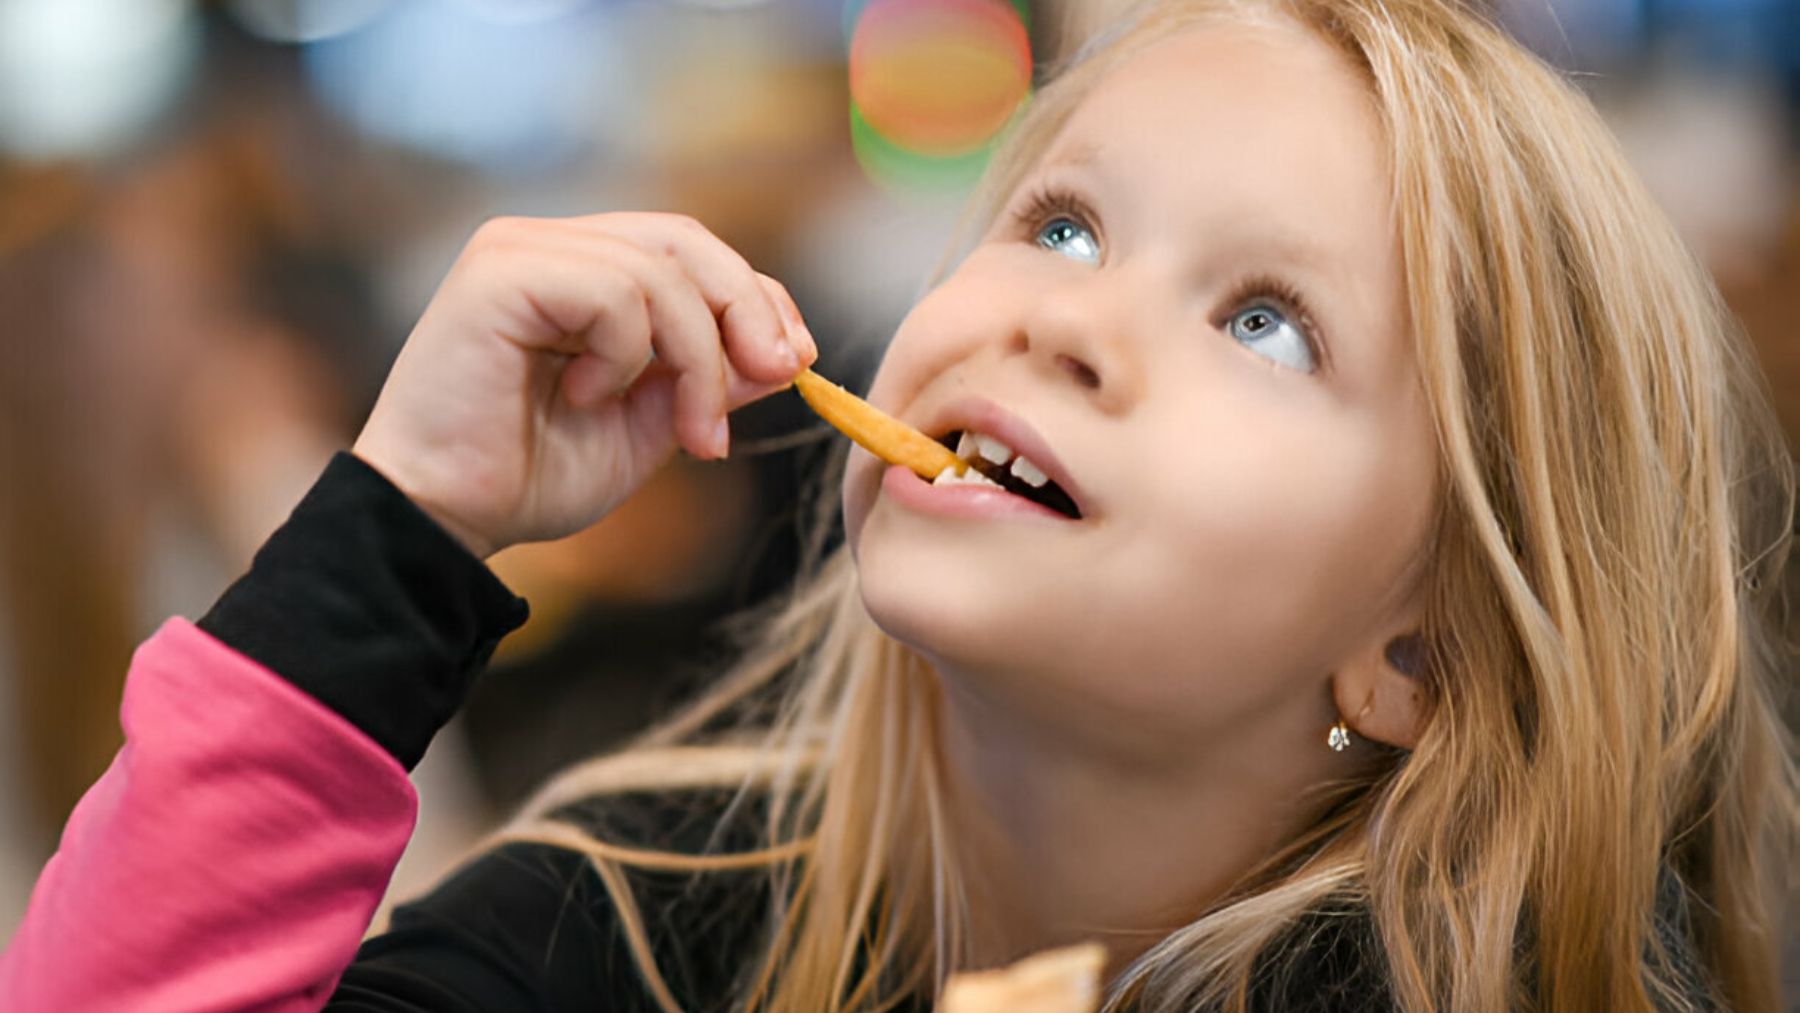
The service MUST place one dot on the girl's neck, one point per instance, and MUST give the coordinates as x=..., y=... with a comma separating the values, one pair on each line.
x=1063, y=841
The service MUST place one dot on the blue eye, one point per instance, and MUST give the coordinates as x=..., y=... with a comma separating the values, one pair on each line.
x=1065, y=235
x=1267, y=331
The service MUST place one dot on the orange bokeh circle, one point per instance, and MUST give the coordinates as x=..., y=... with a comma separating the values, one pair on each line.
x=939, y=77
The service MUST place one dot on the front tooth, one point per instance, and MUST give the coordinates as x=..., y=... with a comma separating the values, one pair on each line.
x=965, y=446
x=993, y=449
x=969, y=477
x=1029, y=473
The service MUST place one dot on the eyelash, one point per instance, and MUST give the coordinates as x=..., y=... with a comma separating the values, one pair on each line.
x=1049, y=202
x=1268, y=288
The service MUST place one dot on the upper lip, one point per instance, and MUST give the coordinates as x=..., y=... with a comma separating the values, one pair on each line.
x=983, y=416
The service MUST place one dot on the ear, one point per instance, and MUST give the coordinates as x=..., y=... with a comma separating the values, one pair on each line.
x=1381, y=692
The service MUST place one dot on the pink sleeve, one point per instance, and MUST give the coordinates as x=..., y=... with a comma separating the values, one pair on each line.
x=229, y=859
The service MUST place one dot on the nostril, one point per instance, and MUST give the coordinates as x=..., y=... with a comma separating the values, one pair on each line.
x=1081, y=371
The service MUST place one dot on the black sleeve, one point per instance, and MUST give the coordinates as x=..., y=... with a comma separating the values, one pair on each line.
x=528, y=928
x=364, y=602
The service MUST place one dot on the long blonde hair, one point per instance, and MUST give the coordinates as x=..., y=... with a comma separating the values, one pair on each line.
x=1603, y=625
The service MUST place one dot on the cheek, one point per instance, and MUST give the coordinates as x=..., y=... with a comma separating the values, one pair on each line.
x=893, y=389
x=963, y=315
x=1297, y=534
x=931, y=338
x=935, y=335
x=862, y=482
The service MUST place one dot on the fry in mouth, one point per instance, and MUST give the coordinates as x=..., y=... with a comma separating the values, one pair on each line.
x=876, y=431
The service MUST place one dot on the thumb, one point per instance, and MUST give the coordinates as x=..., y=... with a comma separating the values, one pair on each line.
x=740, y=392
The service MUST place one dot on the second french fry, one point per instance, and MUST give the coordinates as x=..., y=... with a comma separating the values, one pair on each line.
x=1056, y=981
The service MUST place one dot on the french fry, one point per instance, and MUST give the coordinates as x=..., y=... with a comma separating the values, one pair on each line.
x=1055, y=981
x=877, y=432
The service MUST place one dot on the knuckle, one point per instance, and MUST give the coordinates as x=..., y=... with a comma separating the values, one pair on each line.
x=611, y=292
x=497, y=234
x=663, y=263
x=623, y=299
x=675, y=221
x=501, y=227
x=681, y=227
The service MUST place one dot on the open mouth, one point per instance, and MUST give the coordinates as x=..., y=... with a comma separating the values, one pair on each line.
x=992, y=462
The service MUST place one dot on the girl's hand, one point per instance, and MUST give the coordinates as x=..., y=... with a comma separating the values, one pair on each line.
x=562, y=361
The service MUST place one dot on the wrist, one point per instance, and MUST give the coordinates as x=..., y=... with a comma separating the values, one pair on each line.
x=478, y=545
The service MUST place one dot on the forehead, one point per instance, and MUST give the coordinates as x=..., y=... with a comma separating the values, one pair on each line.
x=1223, y=121
x=1237, y=81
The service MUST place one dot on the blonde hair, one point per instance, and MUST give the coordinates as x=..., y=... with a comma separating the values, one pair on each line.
x=1603, y=629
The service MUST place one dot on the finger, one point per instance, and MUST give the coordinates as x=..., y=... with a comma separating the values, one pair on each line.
x=611, y=304
x=652, y=399
x=553, y=297
x=740, y=391
x=685, y=339
x=798, y=335
x=750, y=322
x=613, y=344
x=589, y=379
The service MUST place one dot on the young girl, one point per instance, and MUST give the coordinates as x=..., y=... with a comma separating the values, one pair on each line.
x=1383, y=617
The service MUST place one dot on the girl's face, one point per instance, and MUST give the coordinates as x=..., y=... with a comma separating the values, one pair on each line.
x=1191, y=316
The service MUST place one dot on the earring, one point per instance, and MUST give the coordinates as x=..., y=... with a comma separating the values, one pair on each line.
x=1339, y=737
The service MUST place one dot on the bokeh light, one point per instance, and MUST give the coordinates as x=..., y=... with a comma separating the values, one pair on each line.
x=894, y=167
x=510, y=90
x=303, y=20
x=83, y=78
x=933, y=83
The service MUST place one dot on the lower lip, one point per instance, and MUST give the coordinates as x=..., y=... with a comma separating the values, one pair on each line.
x=975, y=501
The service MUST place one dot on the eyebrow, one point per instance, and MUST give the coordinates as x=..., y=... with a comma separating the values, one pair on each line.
x=1298, y=250
x=1078, y=155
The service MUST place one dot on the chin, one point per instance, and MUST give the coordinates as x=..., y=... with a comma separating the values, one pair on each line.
x=952, y=606
x=916, y=595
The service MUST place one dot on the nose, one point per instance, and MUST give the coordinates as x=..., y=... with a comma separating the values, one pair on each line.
x=1081, y=334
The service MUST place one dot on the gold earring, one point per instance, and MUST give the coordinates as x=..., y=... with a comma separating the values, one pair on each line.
x=1339, y=737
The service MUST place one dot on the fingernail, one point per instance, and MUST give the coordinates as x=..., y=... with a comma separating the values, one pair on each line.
x=789, y=355
x=804, y=344
x=797, y=334
x=790, y=313
x=721, y=439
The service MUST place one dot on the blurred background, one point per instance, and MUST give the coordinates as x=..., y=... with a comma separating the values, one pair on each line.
x=218, y=221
